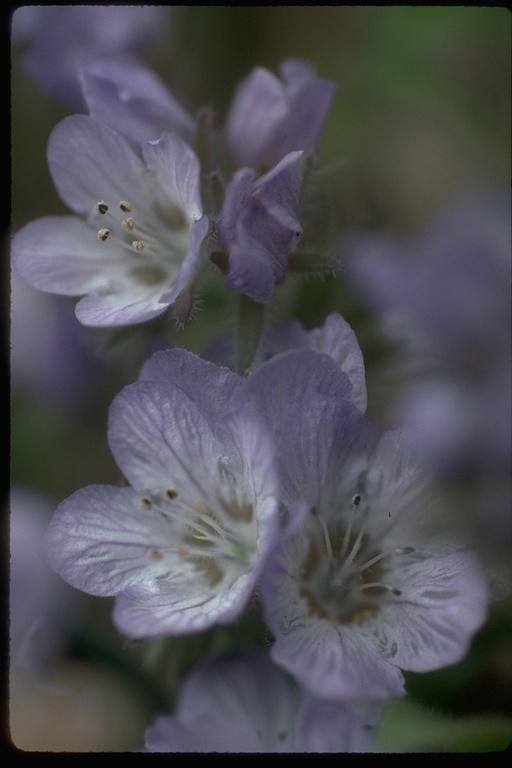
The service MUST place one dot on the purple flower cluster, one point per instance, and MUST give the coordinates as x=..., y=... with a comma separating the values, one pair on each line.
x=129, y=173
x=267, y=486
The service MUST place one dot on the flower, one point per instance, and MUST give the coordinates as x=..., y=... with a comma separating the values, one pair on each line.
x=183, y=546
x=133, y=245
x=451, y=286
x=244, y=703
x=62, y=39
x=269, y=119
x=259, y=226
x=370, y=582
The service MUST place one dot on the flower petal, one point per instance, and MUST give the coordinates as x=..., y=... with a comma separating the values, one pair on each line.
x=90, y=162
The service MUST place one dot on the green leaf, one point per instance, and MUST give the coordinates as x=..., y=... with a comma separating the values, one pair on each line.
x=406, y=727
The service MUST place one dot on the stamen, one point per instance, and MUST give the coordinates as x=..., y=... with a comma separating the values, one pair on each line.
x=103, y=234
x=101, y=207
x=371, y=584
x=356, y=498
x=327, y=540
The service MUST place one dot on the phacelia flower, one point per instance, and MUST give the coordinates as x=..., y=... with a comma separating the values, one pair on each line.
x=244, y=703
x=259, y=226
x=270, y=118
x=63, y=39
x=133, y=245
x=183, y=545
x=451, y=286
x=367, y=585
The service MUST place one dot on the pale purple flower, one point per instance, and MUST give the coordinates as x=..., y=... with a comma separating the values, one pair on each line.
x=270, y=117
x=259, y=226
x=133, y=245
x=63, y=39
x=182, y=547
x=370, y=582
x=244, y=703
x=451, y=288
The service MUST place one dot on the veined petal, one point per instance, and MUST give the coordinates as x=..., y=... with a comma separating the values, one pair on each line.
x=90, y=162
x=176, y=168
x=182, y=369
x=100, y=542
x=59, y=254
x=160, y=438
x=176, y=604
x=124, y=302
x=443, y=602
x=335, y=665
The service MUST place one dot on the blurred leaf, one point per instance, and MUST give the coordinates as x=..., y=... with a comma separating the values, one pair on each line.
x=406, y=727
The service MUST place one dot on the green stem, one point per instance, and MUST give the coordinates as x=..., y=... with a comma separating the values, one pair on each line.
x=250, y=326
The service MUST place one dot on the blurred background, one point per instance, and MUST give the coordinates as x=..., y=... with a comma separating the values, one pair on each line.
x=422, y=114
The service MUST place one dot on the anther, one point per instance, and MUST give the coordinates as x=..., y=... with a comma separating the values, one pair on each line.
x=325, y=531
x=101, y=207
x=125, y=206
x=356, y=498
x=171, y=492
x=138, y=245
x=200, y=507
x=129, y=223
x=103, y=234
x=145, y=503
x=155, y=554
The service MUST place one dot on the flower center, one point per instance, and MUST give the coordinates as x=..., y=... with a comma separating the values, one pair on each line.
x=153, y=246
x=342, y=576
x=214, y=539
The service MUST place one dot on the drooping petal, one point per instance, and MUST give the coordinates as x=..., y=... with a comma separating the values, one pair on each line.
x=259, y=226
